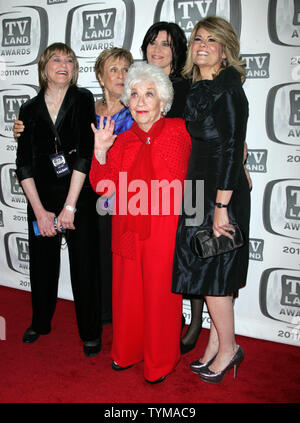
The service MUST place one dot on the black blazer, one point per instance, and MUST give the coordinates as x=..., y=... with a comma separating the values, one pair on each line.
x=75, y=139
x=181, y=88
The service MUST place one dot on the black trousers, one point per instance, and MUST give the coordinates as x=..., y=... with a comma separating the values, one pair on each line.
x=83, y=247
x=105, y=263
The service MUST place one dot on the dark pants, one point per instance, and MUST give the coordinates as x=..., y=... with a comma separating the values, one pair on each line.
x=105, y=261
x=83, y=247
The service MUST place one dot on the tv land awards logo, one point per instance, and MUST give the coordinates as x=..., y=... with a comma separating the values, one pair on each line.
x=279, y=295
x=257, y=161
x=293, y=202
x=283, y=114
x=11, y=106
x=281, y=205
x=257, y=65
x=24, y=34
x=11, y=193
x=187, y=13
x=17, y=252
x=295, y=108
x=97, y=26
x=16, y=32
x=284, y=22
x=256, y=249
x=11, y=100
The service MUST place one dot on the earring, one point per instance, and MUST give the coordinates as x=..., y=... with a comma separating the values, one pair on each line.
x=224, y=63
x=103, y=95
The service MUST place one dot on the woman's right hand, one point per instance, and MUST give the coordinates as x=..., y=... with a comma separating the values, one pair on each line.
x=45, y=223
x=221, y=224
x=104, y=138
x=18, y=128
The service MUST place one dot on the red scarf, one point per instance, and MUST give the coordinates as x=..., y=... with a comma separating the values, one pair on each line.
x=142, y=169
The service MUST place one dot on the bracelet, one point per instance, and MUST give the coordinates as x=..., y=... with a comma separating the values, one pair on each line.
x=70, y=208
x=220, y=205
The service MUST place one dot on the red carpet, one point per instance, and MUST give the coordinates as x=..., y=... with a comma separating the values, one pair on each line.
x=55, y=370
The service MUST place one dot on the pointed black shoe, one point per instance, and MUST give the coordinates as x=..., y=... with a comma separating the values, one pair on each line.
x=118, y=368
x=30, y=336
x=153, y=382
x=92, y=348
x=185, y=348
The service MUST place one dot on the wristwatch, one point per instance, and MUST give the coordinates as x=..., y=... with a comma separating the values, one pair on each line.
x=220, y=205
x=70, y=208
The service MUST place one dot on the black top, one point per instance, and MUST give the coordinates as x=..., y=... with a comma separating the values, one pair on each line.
x=216, y=116
x=181, y=88
x=75, y=139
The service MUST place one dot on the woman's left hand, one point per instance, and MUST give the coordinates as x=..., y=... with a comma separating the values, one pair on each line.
x=221, y=224
x=65, y=219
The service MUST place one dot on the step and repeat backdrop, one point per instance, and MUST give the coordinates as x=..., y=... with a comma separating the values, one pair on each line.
x=269, y=306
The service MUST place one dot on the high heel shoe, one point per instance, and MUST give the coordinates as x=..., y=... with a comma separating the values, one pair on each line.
x=197, y=366
x=216, y=377
x=185, y=348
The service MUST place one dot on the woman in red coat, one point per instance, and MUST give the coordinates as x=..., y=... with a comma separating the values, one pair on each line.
x=153, y=153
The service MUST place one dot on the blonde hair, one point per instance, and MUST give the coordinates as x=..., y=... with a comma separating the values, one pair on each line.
x=46, y=56
x=224, y=34
x=112, y=53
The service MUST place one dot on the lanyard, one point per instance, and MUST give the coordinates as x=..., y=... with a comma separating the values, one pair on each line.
x=57, y=142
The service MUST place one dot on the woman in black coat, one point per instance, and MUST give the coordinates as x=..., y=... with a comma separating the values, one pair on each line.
x=53, y=158
x=216, y=117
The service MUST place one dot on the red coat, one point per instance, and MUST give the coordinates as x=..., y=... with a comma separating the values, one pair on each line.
x=169, y=152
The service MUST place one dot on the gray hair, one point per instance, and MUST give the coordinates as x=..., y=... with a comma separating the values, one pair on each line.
x=144, y=72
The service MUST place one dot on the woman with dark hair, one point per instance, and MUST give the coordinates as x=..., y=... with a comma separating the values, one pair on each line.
x=165, y=45
x=176, y=41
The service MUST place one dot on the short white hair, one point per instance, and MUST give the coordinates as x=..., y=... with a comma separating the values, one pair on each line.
x=144, y=72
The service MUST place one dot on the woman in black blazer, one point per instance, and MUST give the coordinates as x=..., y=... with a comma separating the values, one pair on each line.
x=53, y=158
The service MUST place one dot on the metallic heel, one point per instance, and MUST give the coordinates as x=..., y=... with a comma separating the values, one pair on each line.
x=197, y=366
x=216, y=377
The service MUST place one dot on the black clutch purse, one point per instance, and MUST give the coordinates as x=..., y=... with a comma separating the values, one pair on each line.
x=205, y=244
